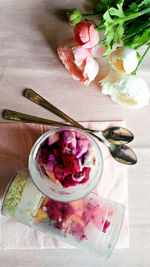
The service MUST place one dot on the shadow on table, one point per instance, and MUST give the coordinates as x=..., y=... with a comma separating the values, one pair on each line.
x=104, y=69
x=52, y=21
x=89, y=5
x=52, y=24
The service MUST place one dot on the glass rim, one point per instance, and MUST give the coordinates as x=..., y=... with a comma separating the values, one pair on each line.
x=43, y=137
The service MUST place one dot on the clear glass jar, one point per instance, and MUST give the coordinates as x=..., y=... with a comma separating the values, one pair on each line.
x=92, y=223
x=58, y=192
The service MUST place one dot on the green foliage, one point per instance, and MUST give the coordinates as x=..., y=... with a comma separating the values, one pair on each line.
x=123, y=22
x=137, y=34
x=145, y=3
x=119, y=33
x=107, y=48
x=133, y=6
x=127, y=22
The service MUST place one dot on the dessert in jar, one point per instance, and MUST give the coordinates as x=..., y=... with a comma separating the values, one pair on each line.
x=91, y=223
x=66, y=164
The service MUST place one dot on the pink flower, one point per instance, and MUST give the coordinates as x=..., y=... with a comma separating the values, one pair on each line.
x=78, y=61
x=85, y=34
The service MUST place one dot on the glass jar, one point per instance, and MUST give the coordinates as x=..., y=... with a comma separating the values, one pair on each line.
x=51, y=189
x=92, y=223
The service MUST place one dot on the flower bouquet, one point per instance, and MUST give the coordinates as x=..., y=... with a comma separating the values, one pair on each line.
x=120, y=30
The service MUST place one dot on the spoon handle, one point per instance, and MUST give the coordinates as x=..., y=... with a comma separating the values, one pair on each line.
x=18, y=116
x=8, y=114
x=36, y=98
x=116, y=151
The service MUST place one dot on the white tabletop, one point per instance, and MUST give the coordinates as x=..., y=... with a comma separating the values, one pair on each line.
x=30, y=32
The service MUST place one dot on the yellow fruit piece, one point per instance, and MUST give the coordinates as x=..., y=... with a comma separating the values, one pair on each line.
x=51, y=175
x=40, y=215
x=76, y=218
x=78, y=206
x=45, y=200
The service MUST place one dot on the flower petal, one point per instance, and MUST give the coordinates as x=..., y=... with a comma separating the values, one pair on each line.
x=78, y=61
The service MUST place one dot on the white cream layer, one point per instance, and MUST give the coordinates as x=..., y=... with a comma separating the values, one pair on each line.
x=30, y=201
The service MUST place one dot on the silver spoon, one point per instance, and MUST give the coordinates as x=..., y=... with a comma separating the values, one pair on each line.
x=8, y=114
x=121, y=153
x=112, y=134
x=115, y=135
x=18, y=116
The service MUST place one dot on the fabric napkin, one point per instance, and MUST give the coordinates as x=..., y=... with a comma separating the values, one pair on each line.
x=16, y=140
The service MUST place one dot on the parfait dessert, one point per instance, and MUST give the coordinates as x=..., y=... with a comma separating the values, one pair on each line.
x=91, y=223
x=67, y=158
x=65, y=164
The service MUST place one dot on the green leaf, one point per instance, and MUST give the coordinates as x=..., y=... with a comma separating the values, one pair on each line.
x=120, y=8
x=114, y=12
x=107, y=17
x=117, y=12
x=120, y=3
x=136, y=27
x=133, y=7
x=107, y=49
x=109, y=32
x=143, y=38
x=144, y=3
x=138, y=56
x=139, y=39
x=119, y=33
x=112, y=43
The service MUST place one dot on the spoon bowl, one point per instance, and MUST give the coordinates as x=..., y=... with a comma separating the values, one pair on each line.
x=123, y=154
x=118, y=135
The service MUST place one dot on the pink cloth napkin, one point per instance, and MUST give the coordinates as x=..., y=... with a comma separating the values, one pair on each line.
x=16, y=140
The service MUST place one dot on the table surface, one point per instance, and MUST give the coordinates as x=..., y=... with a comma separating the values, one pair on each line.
x=29, y=35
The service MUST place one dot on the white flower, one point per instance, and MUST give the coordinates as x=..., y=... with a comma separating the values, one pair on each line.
x=129, y=90
x=124, y=59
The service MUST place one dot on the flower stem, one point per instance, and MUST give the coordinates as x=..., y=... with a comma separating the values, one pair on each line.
x=131, y=16
x=140, y=61
x=125, y=18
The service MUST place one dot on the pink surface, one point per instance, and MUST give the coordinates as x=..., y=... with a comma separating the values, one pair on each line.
x=16, y=140
x=31, y=31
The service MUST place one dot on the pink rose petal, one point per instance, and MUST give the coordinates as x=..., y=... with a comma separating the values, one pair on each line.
x=85, y=34
x=78, y=61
